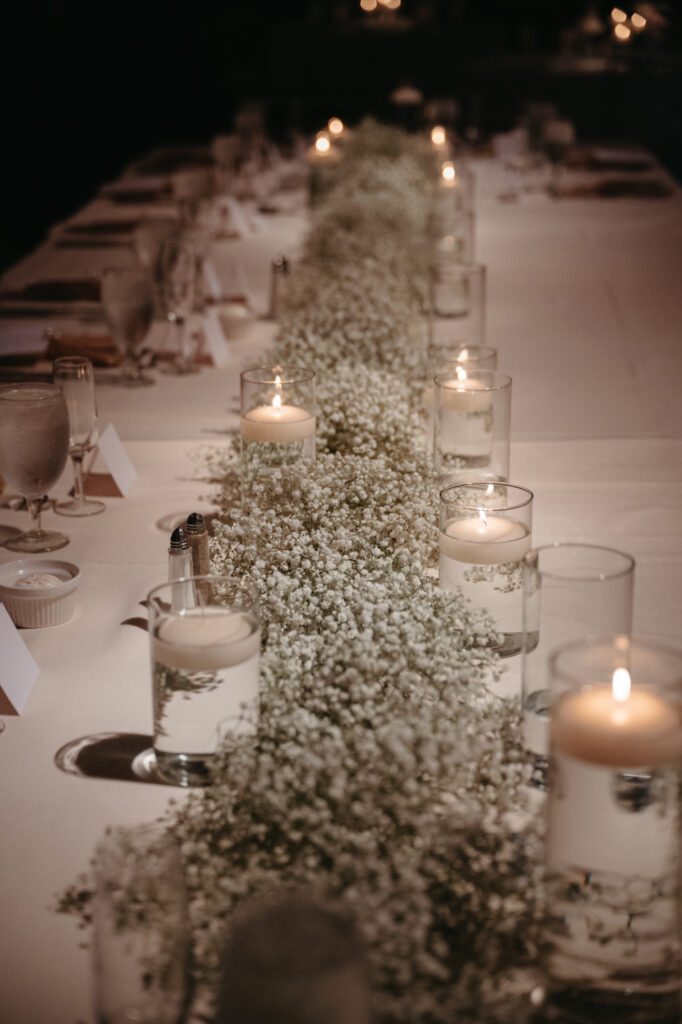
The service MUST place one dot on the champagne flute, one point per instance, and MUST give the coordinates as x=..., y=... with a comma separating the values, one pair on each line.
x=34, y=444
x=75, y=376
x=179, y=268
x=128, y=303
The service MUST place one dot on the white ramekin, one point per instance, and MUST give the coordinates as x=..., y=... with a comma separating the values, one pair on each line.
x=32, y=607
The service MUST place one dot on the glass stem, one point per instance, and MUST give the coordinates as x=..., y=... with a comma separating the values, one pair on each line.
x=180, y=339
x=34, y=507
x=77, y=459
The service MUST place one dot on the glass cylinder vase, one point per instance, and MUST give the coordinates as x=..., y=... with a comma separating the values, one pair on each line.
x=570, y=592
x=205, y=649
x=612, y=927
x=485, y=530
x=141, y=938
x=471, y=425
x=277, y=418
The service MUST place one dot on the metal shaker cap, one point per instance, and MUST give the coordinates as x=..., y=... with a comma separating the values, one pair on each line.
x=195, y=523
x=178, y=541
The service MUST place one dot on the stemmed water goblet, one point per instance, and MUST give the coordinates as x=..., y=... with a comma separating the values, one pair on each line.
x=128, y=304
x=34, y=444
x=75, y=376
x=179, y=274
x=148, y=239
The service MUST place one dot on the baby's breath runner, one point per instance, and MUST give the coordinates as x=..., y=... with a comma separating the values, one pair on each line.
x=384, y=774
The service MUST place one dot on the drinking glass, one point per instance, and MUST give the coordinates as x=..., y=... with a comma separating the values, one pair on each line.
x=128, y=303
x=34, y=444
x=75, y=376
x=148, y=238
x=178, y=285
x=205, y=651
x=558, y=136
x=570, y=592
x=140, y=928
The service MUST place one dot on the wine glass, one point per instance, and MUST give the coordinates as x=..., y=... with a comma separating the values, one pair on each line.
x=34, y=443
x=128, y=303
x=558, y=137
x=148, y=238
x=75, y=376
x=179, y=270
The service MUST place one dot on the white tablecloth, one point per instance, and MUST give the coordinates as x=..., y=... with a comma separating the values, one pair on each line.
x=585, y=303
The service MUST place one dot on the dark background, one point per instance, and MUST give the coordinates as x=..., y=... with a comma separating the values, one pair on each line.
x=87, y=86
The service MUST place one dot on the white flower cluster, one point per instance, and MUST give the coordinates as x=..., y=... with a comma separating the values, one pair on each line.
x=383, y=772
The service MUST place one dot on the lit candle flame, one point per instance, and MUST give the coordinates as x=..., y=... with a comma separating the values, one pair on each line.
x=448, y=172
x=464, y=355
x=461, y=373
x=618, y=16
x=278, y=382
x=322, y=144
x=638, y=21
x=277, y=404
x=438, y=135
x=483, y=519
x=335, y=125
x=621, y=685
x=622, y=33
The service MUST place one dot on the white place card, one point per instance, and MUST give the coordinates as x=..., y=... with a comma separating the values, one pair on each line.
x=18, y=670
x=238, y=218
x=116, y=457
x=215, y=344
x=212, y=281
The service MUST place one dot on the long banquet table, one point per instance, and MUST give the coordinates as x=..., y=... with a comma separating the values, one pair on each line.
x=584, y=306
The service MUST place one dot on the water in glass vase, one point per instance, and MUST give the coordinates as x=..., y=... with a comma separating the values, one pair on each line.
x=205, y=671
x=612, y=931
x=464, y=428
x=496, y=587
x=261, y=458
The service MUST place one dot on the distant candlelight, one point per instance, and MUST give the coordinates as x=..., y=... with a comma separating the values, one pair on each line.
x=622, y=33
x=438, y=135
x=638, y=21
x=448, y=173
x=322, y=143
x=335, y=125
x=618, y=16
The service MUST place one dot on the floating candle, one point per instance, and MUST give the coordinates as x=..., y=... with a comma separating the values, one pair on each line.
x=277, y=423
x=617, y=725
x=438, y=136
x=484, y=540
x=465, y=394
x=206, y=640
x=449, y=174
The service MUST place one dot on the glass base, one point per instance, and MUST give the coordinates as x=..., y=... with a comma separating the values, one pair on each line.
x=179, y=369
x=184, y=769
x=126, y=381
x=87, y=507
x=36, y=541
